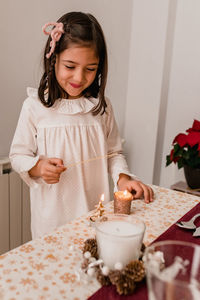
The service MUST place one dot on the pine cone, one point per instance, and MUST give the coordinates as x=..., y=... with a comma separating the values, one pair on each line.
x=123, y=283
x=104, y=280
x=125, y=286
x=115, y=276
x=91, y=246
x=135, y=270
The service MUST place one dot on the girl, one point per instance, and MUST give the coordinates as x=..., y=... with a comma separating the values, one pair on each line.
x=66, y=141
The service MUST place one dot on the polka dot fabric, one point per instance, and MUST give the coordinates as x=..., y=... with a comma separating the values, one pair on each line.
x=48, y=267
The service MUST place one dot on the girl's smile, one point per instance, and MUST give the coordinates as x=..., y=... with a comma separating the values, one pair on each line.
x=76, y=86
x=75, y=69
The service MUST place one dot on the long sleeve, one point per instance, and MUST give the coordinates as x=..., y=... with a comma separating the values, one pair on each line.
x=116, y=164
x=23, y=151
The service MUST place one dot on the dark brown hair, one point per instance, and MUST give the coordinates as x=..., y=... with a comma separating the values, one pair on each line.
x=82, y=29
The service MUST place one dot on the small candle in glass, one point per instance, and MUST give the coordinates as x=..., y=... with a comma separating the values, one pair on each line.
x=119, y=238
x=122, y=202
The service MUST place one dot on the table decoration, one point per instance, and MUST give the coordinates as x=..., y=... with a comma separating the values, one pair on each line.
x=119, y=238
x=188, y=224
x=122, y=202
x=185, y=153
x=197, y=232
x=172, y=233
x=99, y=211
x=49, y=267
x=125, y=279
x=173, y=270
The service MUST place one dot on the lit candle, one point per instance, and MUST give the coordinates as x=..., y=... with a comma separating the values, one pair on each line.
x=122, y=202
x=119, y=239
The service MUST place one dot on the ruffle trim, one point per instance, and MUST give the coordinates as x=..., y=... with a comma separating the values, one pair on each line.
x=71, y=107
x=80, y=105
x=32, y=92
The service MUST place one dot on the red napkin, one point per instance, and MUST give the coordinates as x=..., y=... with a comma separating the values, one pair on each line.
x=172, y=233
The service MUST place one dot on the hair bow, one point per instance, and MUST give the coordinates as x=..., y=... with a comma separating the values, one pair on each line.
x=55, y=34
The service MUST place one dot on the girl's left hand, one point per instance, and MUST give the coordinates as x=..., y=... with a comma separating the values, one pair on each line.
x=140, y=189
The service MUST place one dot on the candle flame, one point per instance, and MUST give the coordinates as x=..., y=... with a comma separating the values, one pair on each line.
x=125, y=192
x=102, y=197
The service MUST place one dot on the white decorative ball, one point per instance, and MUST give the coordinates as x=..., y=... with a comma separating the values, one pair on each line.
x=105, y=270
x=87, y=254
x=118, y=266
x=90, y=271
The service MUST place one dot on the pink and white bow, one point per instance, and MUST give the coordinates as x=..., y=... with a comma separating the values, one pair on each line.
x=55, y=34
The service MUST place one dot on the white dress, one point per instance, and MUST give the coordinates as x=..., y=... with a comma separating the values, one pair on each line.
x=68, y=131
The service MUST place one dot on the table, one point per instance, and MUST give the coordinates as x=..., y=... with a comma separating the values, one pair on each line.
x=183, y=187
x=48, y=268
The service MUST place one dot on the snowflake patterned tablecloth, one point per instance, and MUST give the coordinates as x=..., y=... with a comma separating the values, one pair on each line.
x=49, y=268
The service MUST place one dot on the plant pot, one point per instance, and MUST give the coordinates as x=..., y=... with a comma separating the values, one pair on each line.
x=192, y=177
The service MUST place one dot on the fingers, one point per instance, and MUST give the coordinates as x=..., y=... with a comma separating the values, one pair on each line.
x=55, y=161
x=151, y=194
x=140, y=190
x=148, y=193
x=137, y=191
x=54, y=169
x=51, y=181
x=58, y=163
x=51, y=170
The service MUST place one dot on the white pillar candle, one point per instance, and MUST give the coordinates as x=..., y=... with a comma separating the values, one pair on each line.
x=119, y=239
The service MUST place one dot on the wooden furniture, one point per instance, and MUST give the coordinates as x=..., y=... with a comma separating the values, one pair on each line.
x=181, y=186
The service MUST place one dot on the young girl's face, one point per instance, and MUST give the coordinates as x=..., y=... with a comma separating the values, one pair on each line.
x=75, y=69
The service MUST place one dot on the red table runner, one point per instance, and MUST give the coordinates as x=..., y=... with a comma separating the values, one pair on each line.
x=172, y=233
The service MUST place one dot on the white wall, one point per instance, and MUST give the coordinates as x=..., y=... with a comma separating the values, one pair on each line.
x=22, y=43
x=184, y=85
x=147, y=52
x=163, y=88
x=154, y=70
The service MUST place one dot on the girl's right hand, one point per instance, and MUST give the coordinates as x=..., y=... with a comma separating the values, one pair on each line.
x=48, y=169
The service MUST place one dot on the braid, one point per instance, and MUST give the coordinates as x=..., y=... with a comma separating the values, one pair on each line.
x=48, y=82
x=52, y=64
x=83, y=30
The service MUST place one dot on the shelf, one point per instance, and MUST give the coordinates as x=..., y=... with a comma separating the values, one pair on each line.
x=181, y=186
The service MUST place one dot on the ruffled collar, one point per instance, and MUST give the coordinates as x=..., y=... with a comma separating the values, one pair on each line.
x=76, y=106
x=80, y=105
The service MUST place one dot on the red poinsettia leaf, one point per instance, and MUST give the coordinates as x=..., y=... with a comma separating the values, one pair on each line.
x=181, y=139
x=195, y=126
x=172, y=154
x=176, y=159
x=193, y=138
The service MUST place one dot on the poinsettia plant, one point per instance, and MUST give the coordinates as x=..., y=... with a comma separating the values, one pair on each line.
x=186, y=148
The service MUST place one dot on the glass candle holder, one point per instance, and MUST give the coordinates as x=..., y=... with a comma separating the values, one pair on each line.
x=119, y=238
x=173, y=270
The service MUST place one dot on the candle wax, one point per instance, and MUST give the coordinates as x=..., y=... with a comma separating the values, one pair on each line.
x=123, y=195
x=119, y=241
x=122, y=202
